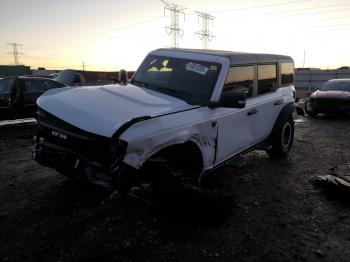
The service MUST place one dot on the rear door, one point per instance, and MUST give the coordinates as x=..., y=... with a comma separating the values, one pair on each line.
x=34, y=87
x=29, y=91
x=268, y=102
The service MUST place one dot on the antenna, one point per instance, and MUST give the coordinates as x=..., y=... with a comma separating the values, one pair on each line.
x=205, y=34
x=174, y=29
x=14, y=52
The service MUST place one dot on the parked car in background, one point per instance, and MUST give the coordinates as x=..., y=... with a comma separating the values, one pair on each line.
x=33, y=87
x=332, y=98
x=70, y=78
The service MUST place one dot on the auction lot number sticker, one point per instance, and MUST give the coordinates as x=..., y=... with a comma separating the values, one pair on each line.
x=197, y=68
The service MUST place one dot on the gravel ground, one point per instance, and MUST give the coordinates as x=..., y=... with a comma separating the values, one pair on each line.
x=278, y=213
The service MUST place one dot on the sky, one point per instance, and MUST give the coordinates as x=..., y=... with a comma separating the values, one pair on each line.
x=113, y=34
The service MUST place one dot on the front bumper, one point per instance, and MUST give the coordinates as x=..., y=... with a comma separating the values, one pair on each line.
x=75, y=165
x=330, y=107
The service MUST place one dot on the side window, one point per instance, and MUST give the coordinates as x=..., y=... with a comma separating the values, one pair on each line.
x=56, y=84
x=240, y=79
x=34, y=85
x=49, y=84
x=287, y=74
x=29, y=86
x=267, y=78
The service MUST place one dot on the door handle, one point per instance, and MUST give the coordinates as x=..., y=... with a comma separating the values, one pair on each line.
x=277, y=103
x=252, y=112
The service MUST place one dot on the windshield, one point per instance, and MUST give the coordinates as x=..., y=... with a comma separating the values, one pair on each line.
x=340, y=85
x=189, y=80
x=5, y=84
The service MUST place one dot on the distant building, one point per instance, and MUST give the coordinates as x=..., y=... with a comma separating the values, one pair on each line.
x=41, y=71
x=11, y=70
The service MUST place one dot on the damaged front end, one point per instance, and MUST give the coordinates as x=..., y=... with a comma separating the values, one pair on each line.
x=77, y=153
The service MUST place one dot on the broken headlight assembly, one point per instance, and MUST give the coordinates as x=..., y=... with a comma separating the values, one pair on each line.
x=117, y=153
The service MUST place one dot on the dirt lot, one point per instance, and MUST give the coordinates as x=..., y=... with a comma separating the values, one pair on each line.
x=278, y=215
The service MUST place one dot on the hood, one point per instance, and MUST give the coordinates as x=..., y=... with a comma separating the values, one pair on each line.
x=341, y=95
x=102, y=110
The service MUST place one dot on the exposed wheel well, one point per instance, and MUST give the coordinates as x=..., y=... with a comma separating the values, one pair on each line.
x=187, y=155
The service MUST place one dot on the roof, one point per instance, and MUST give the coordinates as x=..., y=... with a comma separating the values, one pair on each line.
x=234, y=57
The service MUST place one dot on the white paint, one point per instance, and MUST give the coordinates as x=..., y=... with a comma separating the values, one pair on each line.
x=102, y=110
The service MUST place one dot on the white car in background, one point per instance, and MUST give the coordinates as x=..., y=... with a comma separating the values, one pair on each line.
x=193, y=109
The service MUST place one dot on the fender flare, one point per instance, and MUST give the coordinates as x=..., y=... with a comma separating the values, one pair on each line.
x=286, y=112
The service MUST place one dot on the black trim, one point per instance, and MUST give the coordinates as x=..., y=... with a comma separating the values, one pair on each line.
x=282, y=118
x=128, y=124
x=246, y=151
x=133, y=121
x=216, y=144
x=184, y=110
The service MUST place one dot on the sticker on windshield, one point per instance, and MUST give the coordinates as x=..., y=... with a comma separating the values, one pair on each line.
x=197, y=68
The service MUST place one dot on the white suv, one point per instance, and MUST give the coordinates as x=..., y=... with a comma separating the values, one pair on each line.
x=195, y=109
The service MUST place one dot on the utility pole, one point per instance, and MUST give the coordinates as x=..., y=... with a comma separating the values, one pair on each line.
x=83, y=66
x=205, y=35
x=15, y=53
x=174, y=29
x=304, y=58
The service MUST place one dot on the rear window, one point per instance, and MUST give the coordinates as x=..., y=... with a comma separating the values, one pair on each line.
x=287, y=73
x=267, y=78
x=49, y=84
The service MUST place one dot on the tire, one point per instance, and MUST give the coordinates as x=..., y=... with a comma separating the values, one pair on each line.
x=282, y=139
x=175, y=191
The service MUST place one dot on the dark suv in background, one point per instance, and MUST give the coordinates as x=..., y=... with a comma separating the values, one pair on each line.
x=33, y=88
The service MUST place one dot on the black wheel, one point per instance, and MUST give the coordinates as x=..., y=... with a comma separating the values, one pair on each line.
x=282, y=139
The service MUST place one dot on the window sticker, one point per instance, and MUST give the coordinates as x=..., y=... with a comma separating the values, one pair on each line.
x=197, y=68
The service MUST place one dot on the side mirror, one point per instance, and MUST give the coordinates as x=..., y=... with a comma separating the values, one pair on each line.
x=231, y=100
x=123, y=77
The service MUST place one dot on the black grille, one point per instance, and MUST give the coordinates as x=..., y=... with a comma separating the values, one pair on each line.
x=63, y=134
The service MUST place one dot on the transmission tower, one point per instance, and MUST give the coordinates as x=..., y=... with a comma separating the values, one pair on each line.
x=205, y=35
x=14, y=52
x=174, y=29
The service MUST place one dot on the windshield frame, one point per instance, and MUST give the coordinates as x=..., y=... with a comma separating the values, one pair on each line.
x=223, y=61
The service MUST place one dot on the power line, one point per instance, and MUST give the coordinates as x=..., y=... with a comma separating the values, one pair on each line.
x=100, y=33
x=174, y=29
x=14, y=51
x=260, y=6
x=205, y=35
x=287, y=13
